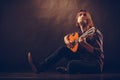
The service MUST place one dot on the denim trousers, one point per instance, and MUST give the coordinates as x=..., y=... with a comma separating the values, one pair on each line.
x=74, y=65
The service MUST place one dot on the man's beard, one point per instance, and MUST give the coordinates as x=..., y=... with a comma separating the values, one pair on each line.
x=84, y=23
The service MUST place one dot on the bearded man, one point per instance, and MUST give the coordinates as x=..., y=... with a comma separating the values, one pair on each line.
x=83, y=49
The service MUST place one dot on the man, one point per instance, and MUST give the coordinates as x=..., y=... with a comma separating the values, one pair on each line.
x=83, y=52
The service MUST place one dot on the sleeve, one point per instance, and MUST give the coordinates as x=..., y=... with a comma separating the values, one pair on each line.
x=98, y=43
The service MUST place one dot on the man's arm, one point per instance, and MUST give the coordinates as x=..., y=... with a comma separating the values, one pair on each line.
x=96, y=48
x=86, y=45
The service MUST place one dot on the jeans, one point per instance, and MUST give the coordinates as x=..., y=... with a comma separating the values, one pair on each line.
x=75, y=65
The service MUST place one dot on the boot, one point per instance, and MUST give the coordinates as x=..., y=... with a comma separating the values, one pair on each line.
x=32, y=64
x=61, y=70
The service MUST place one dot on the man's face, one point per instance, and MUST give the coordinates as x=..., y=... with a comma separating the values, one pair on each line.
x=83, y=21
x=82, y=18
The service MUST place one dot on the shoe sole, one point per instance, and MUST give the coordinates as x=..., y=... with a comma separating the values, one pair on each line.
x=34, y=69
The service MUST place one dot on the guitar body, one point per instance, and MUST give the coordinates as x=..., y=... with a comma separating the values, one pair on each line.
x=72, y=39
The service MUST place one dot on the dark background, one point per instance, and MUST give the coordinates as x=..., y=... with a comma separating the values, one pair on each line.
x=40, y=25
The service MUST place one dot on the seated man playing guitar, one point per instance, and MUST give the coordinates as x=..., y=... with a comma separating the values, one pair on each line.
x=83, y=51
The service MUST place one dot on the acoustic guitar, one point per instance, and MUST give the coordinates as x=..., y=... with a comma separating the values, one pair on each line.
x=74, y=38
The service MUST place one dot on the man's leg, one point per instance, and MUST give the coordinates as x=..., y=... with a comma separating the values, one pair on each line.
x=53, y=58
x=80, y=66
x=50, y=60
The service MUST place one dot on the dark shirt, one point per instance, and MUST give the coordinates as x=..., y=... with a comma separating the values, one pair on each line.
x=95, y=40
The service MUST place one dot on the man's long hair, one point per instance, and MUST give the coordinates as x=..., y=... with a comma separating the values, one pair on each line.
x=90, y=21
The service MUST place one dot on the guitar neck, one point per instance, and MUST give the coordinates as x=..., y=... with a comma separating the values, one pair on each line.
x=89, y=32
x=83, y=36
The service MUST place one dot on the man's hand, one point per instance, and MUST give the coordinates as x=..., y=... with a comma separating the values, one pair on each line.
x=82, y=40
x=70, y=44
x=66, y=40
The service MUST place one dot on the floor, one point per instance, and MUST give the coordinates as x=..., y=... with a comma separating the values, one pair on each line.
x=58, y=76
